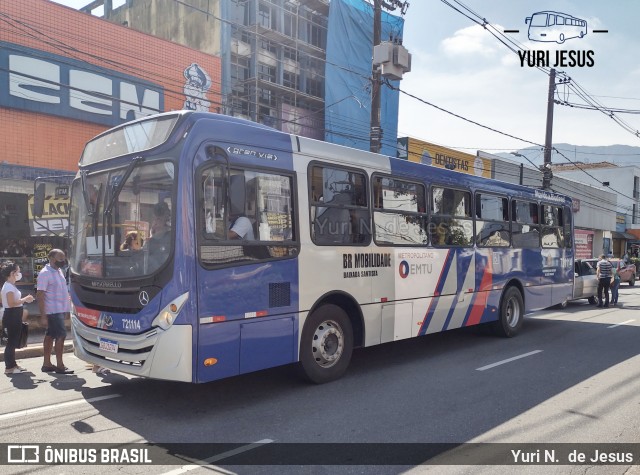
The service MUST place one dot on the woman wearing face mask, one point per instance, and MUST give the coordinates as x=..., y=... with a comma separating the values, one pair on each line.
x=12, y=301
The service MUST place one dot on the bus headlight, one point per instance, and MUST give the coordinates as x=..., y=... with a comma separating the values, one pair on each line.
x=168, y=315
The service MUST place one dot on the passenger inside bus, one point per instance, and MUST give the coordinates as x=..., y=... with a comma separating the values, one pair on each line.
x=132, y=241
x=160, y=239
x=241, y=228
x=333, y=224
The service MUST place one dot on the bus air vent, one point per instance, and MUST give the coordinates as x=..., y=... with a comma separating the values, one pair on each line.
x=279, y=294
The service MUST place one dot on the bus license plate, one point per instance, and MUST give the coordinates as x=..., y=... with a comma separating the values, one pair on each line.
x=108, y=345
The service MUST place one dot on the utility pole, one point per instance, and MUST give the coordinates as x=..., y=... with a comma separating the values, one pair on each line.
x=375, y=137
x=546, y=167
x=390, y=60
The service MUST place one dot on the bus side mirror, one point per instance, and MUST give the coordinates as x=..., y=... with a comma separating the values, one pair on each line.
x=527, y=20
x=38, y=200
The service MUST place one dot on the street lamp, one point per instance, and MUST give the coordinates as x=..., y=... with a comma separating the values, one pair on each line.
x=545, y=169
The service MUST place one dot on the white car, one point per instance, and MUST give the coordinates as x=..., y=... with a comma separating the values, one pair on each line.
x=585, y=284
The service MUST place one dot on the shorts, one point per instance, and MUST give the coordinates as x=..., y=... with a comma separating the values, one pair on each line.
x=55, y=326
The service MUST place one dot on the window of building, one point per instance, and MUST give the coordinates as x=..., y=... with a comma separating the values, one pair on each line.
x=266, y=97
x=400, y=212
x=269, y=46
x=289, y=79
x=315, y=87
x=290, y=53
x=451, y=223
x=339, y=210
x=290, y=23
x=239, y=106
x=267, y=16
x=266, y=72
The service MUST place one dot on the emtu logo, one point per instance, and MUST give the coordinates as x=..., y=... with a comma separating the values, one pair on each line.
x=556, y=27
x=403, y=269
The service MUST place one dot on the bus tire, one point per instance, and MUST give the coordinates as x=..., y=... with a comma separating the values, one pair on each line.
x=632, y=281
x=593, y=300
x=511, y=316
x=326, y=344
x=561, y=38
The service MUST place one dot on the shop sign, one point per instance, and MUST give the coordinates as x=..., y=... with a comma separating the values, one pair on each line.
x=420, y=151
x=46, y=83
x=62, y=191
x=584, y=244
x=54, y=220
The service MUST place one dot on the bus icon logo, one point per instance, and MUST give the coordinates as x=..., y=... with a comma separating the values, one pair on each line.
x=556, y=27
x=23, y=454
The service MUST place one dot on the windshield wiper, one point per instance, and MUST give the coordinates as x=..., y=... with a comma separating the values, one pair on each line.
x=123, y=180
x=116, y=193
x=94, y=214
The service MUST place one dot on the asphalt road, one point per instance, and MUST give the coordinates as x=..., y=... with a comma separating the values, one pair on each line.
x=572, y=376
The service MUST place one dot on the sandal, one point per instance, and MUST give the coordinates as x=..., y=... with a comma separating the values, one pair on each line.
x=49, y=368
x=63, y=370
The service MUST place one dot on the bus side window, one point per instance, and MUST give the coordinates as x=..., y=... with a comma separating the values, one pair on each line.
x=339, y=206
x=525, y=227
x=451, y=221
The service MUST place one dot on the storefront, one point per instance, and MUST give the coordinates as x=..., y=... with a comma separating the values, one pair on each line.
x=18, y=241
x=58, y=90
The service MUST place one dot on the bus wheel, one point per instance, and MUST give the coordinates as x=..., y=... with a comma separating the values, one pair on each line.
x=561, y=38
x=632, y=281
x=593, y=300
x=326, y=344
x=511, y=313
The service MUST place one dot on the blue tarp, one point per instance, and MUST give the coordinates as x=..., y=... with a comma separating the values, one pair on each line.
x=348, y=73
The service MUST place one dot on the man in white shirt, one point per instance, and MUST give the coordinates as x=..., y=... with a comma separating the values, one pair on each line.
x=242, y=229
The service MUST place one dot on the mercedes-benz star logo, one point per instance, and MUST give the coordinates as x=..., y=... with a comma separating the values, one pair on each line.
x=143, y=298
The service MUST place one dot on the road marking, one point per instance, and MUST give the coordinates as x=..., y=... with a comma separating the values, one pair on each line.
x=216, y=458
x=508, y=360
x=623, y=323
x=36, y=410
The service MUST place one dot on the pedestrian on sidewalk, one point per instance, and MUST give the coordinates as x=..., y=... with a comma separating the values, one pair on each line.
x=54, y=304
x=615, y=284
x=12, y=301
x=603, y=272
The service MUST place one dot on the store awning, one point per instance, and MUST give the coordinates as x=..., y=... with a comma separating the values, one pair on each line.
x=627, y=236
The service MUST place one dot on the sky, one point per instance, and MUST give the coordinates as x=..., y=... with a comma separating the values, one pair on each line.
x=458, y=66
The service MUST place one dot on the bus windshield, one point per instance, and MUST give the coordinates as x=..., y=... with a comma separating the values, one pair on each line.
x=134, y=237
x=132, y=138
x=539, y=19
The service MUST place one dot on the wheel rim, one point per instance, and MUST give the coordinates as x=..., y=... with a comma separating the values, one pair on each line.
x=512, y=312
x=327, y=344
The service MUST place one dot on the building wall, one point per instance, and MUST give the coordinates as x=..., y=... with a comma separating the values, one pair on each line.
x=198, y=24
x=621, y=180
x=66, y=39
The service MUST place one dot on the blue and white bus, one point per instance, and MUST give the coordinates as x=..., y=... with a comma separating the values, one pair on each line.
x=282, y=249
x=555, y=27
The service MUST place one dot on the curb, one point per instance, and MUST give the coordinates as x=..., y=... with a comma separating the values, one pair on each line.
x=36, y=351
